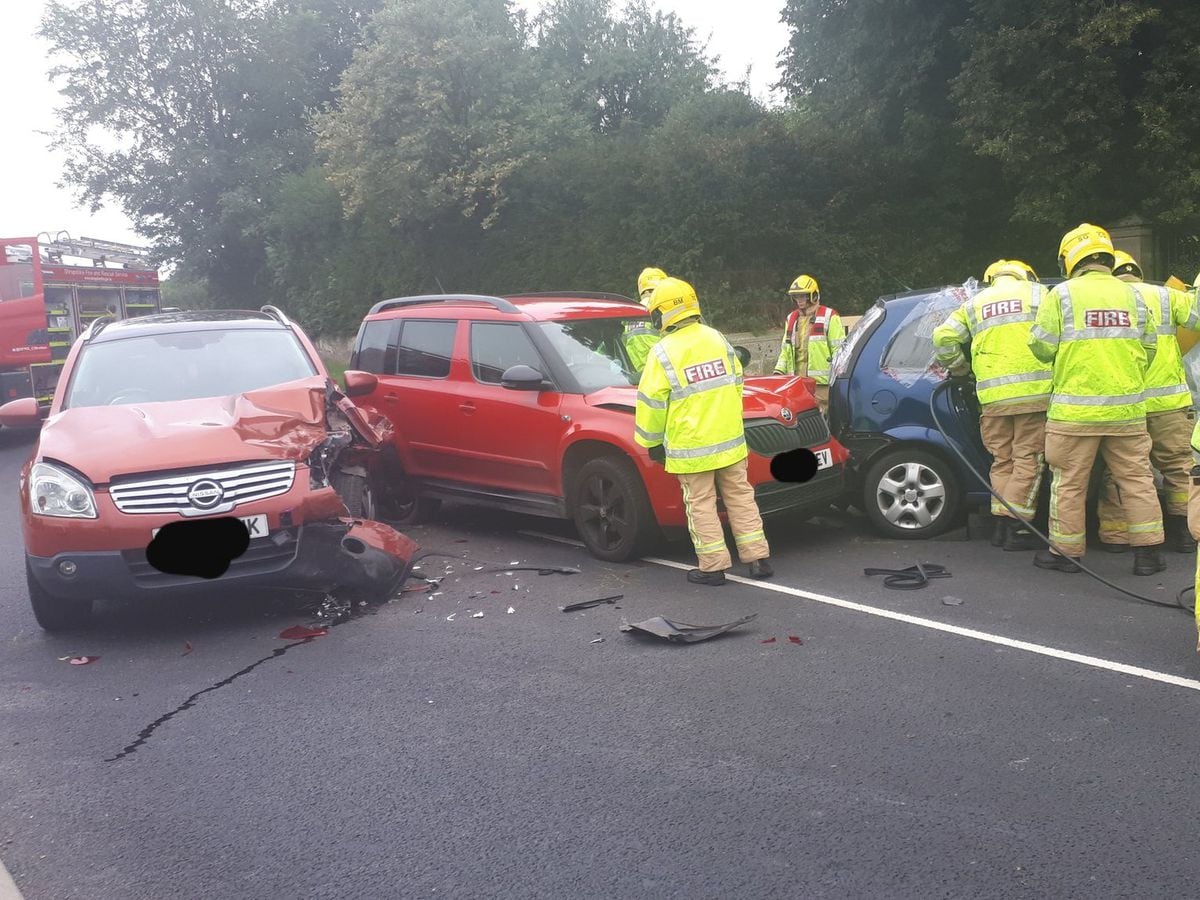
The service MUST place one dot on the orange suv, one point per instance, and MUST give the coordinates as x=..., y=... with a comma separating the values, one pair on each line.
x=193, y=450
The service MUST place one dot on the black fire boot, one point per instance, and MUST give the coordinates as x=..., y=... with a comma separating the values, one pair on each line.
x=1148, y=560
x=1046, y=559
x=712, y=579
x=761, y=568
x=999, y=530
x=1179, y=538
x=1020, y=537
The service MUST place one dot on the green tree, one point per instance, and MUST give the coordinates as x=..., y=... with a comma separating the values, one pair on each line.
x=186, y=112
x=621, y=70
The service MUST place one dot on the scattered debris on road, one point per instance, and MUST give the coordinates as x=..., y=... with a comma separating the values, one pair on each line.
x=795, y=640
x=681, y=632
x=302, y=633
x=511, y=610
x=588, y=604
x=769, y=640
x=478, y=615
x=597, y=641
x=909, y=579
x=187, y=648
x=83, y=660
x=952, y=601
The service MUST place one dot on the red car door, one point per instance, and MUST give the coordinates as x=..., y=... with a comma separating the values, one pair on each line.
x=509, y=439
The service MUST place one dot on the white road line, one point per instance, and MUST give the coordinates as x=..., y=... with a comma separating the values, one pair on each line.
x=1040, y=649
x=8, y=887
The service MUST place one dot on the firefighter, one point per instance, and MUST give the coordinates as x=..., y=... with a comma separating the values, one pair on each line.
x=1193, y=515
x=639, y=337
x=689, y=416
x=1013, y=387
x=1169, y=415
x=812, y=335
x=1096, y=332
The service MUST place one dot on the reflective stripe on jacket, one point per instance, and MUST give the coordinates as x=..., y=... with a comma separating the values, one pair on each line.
x=639, y=337
x=818, y=337
x=1098, y=335
x=1166, y=383
x=997, y=322
x=690, y=400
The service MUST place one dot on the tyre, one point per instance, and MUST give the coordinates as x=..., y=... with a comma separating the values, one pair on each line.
x=611, y=511
x=56, y=613
x=911, y=494
x=356, y=493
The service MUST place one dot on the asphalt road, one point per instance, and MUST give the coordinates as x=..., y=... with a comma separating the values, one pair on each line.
x=407, y=754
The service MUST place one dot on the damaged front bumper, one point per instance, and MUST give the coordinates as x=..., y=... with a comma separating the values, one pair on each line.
x=349, y=557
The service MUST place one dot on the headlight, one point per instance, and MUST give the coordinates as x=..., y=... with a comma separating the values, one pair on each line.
x=54, y=492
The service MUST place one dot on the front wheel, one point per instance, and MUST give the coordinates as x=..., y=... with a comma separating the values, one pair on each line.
x=611, y=510
x=56, y=613
x=911, y=495
x=356, y=493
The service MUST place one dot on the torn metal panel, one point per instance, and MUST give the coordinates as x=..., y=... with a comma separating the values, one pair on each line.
x=682, y=632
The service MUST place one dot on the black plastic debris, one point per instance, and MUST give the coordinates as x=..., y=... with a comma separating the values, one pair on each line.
x=588, y=604
x=681, y=632
x=909, y=579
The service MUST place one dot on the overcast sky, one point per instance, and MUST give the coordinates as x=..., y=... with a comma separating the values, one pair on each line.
x=746, y=33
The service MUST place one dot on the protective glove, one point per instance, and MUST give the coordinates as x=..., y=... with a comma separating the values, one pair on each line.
x=658, y=454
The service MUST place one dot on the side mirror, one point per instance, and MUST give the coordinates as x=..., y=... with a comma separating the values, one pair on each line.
x=23, y=413
x=743, y=354
x=522, y=378
x=359, y=384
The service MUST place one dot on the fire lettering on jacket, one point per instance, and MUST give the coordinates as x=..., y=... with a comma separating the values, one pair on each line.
x=705, y=371
x=1106, y=318
x=1000, y=308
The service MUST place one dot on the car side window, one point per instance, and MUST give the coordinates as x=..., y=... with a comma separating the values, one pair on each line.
x=496, y=347
x=376, y=352
x=425, y=348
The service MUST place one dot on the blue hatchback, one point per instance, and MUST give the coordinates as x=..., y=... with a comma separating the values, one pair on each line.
x=902, y=472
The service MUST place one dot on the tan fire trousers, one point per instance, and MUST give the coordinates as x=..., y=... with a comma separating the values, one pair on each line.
x=1127, y=456
x=822, y=394
x=1193, y=516
x=704, y=523
x=1018, y=447
x=1170, y=453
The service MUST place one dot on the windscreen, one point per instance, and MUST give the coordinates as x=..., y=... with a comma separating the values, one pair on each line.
x=596, y=350
x=185, y=366
x=910, y=355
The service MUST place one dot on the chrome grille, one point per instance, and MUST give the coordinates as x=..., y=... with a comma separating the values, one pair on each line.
x=239, y=484
x=767, y=437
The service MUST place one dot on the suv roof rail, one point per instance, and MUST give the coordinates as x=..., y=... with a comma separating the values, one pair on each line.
x=496, y=302
x=98, y=324
x=575, y=295
x=276, y=313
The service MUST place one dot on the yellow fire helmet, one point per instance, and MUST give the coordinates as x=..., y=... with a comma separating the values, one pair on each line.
x=1196, y=283
x=1030, y=275
x=648, y=279
x=805, y=284
x=1124, y=264
x=1081, y=243
x=1011, y=267
x=673, y=301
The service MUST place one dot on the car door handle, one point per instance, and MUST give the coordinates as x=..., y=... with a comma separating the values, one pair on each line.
x=467, y=407
x=391, y=398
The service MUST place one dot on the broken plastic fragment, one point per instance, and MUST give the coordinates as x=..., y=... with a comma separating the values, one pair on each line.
x=682, y=632
x=187, y=647
x=511, y=610
x=588, y=604
x=515, y=562
x=794, y=639
x=952, y=601
x=769, y=640
x=450, y=618
x=478, y=615
x=302, y=633
x=83, y=660
x=597, y=641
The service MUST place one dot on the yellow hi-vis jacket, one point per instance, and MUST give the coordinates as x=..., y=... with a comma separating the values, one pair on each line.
x=690, y=400
x=639, y=336
x=809, y=343
x=1166, y=384
x=1096, y=331
x=997, y=322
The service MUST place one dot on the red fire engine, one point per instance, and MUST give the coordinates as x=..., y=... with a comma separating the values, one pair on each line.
x=50, y=290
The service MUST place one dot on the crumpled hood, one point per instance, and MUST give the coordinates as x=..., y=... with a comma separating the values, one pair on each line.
x=757, y=402
x=280, y=422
